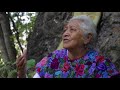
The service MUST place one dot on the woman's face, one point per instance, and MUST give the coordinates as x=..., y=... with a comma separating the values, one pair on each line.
x=72, y=36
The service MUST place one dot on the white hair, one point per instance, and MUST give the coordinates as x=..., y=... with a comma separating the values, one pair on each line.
x=87, y=26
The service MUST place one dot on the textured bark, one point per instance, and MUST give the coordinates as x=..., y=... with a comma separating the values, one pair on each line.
x=3, y=49
x=108, y=42
x=46, y=34
x=4, y=21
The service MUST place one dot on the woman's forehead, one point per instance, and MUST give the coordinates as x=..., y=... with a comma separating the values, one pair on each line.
x=72, y=23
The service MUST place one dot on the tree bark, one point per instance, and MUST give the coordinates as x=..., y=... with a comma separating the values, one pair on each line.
x=108, y=41
x=3, y=49
x=9, y=43
x=46, y=34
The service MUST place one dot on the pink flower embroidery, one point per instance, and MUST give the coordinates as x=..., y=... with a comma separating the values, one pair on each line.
x=100, y=58
x=43, y=61
x=38, y=69
x=65, y=58
x=66, y=67
x=98, y=76
x=79, y=69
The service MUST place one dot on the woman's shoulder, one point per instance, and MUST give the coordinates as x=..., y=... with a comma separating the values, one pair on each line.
x=104, y=64
x=96, y=56
x=52, y=55
x=58, y=53
x=50, y=61
x=93, y=53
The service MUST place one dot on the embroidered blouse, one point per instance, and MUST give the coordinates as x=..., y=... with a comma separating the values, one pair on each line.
x=91, y=65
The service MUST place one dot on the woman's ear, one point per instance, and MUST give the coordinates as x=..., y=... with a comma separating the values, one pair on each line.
x=88, y=38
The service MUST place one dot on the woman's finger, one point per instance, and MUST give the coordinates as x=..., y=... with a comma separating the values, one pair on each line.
x=21, y=62
x=19, y=56
x=23, y=66
x=22, y=56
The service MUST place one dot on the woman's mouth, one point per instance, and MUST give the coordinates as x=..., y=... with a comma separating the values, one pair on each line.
x=66, y=40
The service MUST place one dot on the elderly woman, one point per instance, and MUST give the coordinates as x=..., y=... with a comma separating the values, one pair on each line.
x=78, y=59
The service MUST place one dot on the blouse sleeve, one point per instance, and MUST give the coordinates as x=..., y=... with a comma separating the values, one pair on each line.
x=106, y=69
x=36, y=76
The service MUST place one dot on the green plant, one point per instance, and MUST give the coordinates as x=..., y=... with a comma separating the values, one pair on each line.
x=30, y=68
x=8, y=70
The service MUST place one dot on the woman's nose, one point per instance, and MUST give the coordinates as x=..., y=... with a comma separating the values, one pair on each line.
x=66, y=33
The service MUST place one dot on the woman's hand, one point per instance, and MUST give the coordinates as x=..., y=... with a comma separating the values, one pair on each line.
x=21, y=65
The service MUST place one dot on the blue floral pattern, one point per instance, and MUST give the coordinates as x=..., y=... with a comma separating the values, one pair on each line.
x=92, y=65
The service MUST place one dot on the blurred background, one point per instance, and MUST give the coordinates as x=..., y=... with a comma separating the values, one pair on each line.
x=40, y=33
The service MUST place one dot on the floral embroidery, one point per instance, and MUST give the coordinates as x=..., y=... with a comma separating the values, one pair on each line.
x=54, y=64
x=58, y=65
x=43, y=61
x=79, y=69
x=66, y=67
x=97, y=76
x=99, y=58
x=102, y=66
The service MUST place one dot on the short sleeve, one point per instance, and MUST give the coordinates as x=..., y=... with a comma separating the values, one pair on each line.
x=105, y=68
x=36, y=76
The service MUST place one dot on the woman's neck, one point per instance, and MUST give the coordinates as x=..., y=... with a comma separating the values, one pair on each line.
x=76, y=53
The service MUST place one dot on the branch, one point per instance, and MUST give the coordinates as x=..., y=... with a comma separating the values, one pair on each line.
x=15, y=30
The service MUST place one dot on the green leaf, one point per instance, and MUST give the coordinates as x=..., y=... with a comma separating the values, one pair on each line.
x=73, y=64
x=72, y=73
x=31, y=74
x=51, y=71
x=30, y=63
x=12, y=74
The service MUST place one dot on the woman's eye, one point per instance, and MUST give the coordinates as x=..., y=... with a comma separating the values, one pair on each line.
x=64, y=29
x=73, y=29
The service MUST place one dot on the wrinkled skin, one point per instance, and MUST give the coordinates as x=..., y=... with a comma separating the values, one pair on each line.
x=21, y=65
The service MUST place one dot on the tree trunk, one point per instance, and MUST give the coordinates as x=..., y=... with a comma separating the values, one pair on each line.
x=108, y=42
x=46, y=34
x=3, y=49
x=9, y=43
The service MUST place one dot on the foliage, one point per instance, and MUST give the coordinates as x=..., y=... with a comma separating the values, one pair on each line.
x=30, y=68
x=24, y=22
x=8, y=70
x=30, y=63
